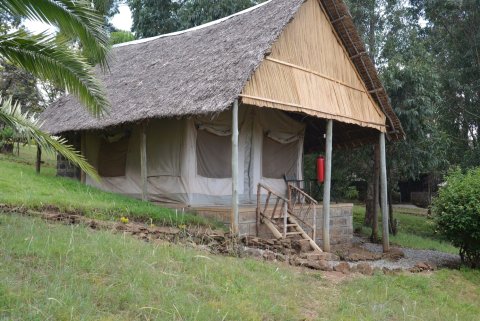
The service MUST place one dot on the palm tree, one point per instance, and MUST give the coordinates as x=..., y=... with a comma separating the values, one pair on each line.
x=53, y=59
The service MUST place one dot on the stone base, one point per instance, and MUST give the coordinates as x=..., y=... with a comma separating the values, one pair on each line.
x=341, y=221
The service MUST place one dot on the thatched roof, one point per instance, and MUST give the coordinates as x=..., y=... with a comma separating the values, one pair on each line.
x=201, y=70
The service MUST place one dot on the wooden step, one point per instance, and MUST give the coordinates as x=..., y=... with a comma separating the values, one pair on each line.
x=294, y=233
x=288, y=225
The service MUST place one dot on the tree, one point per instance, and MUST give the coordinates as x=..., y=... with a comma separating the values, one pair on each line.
x=21, y=86
x=52, y=59
x=399, y=46
x=117, y=37
x=196, y=12
x=14, y=81
x=106, y=8
x=155, y=17
x=454, y=31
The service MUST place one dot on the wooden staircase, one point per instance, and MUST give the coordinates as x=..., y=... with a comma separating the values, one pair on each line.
x=288, y=217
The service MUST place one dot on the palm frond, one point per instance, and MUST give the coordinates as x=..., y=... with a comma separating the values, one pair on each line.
x=27, y=126
x=76, y=19
x=51, y=59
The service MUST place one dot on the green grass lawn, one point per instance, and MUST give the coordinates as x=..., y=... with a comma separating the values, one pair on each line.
x=414, y=231
x=60, y=272
x=21, y=186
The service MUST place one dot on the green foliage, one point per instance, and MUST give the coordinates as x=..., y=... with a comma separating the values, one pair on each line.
x=196, y=12
x=6, y=134
x=351, y=193
x=457, y=210
x=53, y=58
x=453, y=31
x=397, y=41
x=414, y=231
x=155, y=17
x=21, y=86
x=117, y=37
x=26, y=127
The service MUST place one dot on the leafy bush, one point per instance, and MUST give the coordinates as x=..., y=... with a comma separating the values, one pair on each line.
x=117, y=37
x=457, y=210
x=6, y=140
x=351, y=193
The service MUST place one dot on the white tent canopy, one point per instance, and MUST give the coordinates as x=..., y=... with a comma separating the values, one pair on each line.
x=189, y=159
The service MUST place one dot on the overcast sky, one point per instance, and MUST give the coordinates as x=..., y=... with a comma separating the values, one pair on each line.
x=122, y=21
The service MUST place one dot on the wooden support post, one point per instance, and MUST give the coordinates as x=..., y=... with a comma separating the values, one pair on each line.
x=327, y=186
x=376, y=193
x=383, y=186
x=143, y=161
x=234, y=219
x=314, y=233
x=258, y=210
x=285, y=219
x=83, y=151
x=38, y=162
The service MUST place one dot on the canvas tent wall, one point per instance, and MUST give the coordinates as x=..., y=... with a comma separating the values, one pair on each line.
x=189, y=160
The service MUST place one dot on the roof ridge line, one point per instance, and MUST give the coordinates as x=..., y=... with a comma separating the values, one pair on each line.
x=202, y=26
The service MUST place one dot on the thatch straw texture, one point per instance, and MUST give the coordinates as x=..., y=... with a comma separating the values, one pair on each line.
x=196, y=72
x=309, y=71
x=343, y=23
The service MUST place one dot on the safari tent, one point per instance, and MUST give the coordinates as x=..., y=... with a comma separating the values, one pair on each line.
x=202, y=116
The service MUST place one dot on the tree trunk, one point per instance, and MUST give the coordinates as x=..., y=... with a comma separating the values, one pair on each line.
x=39, y=160
x=376, y=194
x=370, y=198
x=392, y=222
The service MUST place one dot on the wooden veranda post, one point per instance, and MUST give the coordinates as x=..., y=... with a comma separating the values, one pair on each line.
x=83, y=151
x=383, y=186
x=38, y=161
x=327, y=186
x=234, y=218
x=143, y=161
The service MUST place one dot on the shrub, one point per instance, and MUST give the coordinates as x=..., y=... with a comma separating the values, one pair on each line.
x=351, y=193
x=457, y=213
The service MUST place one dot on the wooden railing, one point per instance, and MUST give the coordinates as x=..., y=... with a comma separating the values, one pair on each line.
x=301, y=205
x=280, y=209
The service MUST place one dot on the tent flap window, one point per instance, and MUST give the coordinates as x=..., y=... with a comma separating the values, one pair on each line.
x=214, y=154
x=164, y=146
x=112, y=158
x=279, y=155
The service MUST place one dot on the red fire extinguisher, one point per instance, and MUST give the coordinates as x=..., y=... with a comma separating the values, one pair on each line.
x=320, y=169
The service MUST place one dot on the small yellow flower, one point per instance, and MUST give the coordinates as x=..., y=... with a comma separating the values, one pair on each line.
x=182, y=226
x=124, y=220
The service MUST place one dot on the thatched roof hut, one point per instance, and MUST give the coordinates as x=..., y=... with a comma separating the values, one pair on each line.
x=206, y=115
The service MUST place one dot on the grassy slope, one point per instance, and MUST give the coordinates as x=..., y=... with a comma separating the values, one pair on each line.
x=21, y=186
x=62, y=272
x=414, y=231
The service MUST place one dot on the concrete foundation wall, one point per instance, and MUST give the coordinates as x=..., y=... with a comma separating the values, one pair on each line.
x=341, y=221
